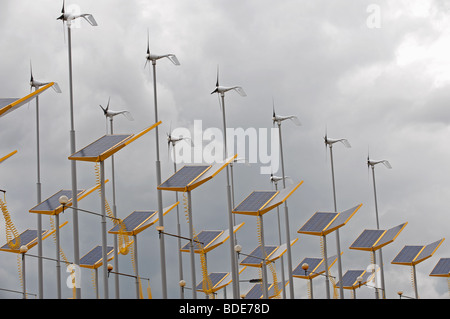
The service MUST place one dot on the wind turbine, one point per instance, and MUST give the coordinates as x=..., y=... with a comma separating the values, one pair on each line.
x=221, y=90
x=274, y=180
x=110, y=114
x=278, y=119
x=372, y=163
x=37, y=85
x=68, y=18
x=172, y=141
x=329, y=142
x=150, y=57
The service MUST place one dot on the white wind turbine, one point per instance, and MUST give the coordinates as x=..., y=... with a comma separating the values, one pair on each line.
x=37, y=85
x=110, y=114
x=372, y=163
x=221, y=90
x=68, y=18
x=329, y=142
x=278, y=119
x=172, y=141
x=151, y=57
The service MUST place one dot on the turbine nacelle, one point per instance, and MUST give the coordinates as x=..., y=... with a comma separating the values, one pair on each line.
x=331, y=141
x=224, y=89
x=375, y=162
x=172, y=57
x=70, y=16
x=36, y=84
x=280, y=118
x=110, y=113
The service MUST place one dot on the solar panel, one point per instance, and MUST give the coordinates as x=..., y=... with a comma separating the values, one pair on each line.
x=183, y=177
x=255, y=257
x=367, y=239
x=313, y=263
x=317, y=223
x=215, y=279
x=254, y=202
x=132, y=222
x=255, y=292
x=407, y=255
x=94, y=258
x=342, y=218
x=442, y=268
x=51, y=205
x=350, y=279
x=11, y=104
x=27, y=238
x=428, y=251
x=412, y=255
x=203, y=239
x=101, y=148
x=330, y=261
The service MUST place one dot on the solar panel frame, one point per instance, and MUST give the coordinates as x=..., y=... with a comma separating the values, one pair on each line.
x=94, y=258
x=132, y=222
x=349, y=279
x=254, y=202
x=102, y=148
x=407, y=255
x=51, y=205
x=428, y=251
x=216, y=278
x=341, y=219
x=313, y=264
x=317, y=223
x=27, y=238
x=442, y=268
x=367, y=239
x=389, y=236
x=222, y=238
x=182, y=178
x=202, y=240
x=255, y=257
x=280, y=198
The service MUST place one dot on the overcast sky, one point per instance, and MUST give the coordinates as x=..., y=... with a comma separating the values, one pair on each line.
x=374, y=72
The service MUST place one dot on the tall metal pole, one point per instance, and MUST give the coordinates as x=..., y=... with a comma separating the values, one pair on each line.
x=311, y=288
x=280, y=242
x=39, y=200
x=338, y=241
x=180, y=255
x=191, y=236
x=159, y=192
x=116, y=251
x=264, y=266
x=378, y=227
x=104, y=239
x=24, y=281
x=288, y=236
x=76, y=240
x=374, y=256
x=416, y=291
x=325, y=260
x=58, y=258
x=234, y=272
x=136, y=266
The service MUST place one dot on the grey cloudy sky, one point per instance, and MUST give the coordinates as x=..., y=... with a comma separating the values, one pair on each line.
x=384, y=89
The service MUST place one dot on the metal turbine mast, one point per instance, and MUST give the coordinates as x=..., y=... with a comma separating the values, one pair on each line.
x=329, y=143
x=67, y=18
x=37, y=85
x=221, y=90
x=277, y=119
x=372, y=163
x=151, y=57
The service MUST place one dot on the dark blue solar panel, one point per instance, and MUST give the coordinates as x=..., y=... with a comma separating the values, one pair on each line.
x=442, y=268
x=312, y=263
x=255, y=201
x=203, y=239
x=255, y=257
x=390, y=234
x=317, y=222
x=214, y=278
x=52, y=203
x=350, y=278
x=407, y=254
x=428, y=251
x=184, y=176
x=342, y=218
x=101, y=145
x=133, y=220
x=255, y=292
x=94, y=256
x=26, y=238
x=367, y=239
